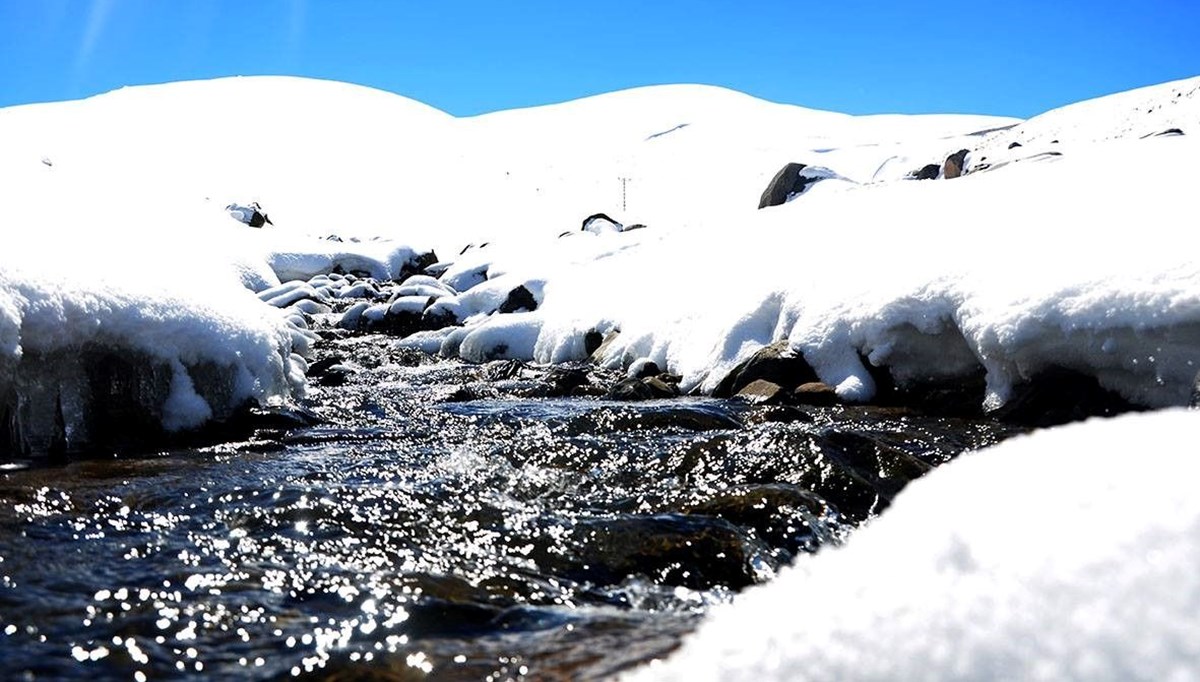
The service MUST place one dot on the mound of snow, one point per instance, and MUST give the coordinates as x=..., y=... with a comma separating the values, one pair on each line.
x=1068, y=554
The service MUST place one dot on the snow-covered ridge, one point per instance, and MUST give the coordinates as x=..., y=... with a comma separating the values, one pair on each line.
x=1065, y=244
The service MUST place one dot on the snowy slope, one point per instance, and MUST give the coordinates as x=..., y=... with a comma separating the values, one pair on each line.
x=1075, y=258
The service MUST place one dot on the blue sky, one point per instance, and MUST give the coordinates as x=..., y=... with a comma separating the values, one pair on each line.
x=1016, y=58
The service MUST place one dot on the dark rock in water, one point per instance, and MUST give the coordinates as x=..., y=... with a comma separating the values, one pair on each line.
x=781, y=514
x=502, y=370
x=644, y=369
x=815, y=393
x=785, y=414
x=954, y=165
x=786, y=182
x=696, y=552
x=776, y=363
x=519, y=299
x=857, y=473
x=928, y=172
x=650, y=388
x=1058, y=396
x=566, y=379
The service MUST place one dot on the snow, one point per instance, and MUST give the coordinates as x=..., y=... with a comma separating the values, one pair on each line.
x=1070, y=554
x=1071, y=249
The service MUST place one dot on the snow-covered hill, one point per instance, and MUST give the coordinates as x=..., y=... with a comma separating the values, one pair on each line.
x=1065, y=244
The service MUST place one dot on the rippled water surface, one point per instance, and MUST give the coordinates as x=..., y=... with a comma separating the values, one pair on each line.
x=437, y=525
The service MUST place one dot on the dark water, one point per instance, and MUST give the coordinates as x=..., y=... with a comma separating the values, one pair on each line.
x=439, y=525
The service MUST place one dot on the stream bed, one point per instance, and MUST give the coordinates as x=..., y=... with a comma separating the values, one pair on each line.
x=442, y=521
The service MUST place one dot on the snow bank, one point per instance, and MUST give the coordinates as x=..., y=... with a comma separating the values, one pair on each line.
x=1080, y=261
x=1068, y=554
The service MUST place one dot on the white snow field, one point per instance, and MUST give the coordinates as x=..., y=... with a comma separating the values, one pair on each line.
x=1068, y=242
x=1068, y=554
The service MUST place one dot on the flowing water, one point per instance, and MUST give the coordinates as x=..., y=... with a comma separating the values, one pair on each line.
x=444, y=521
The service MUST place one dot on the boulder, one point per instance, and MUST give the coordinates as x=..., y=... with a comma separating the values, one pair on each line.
x=1057, y=396
x=650, y=388
x=776, y=363
x=955, y=164
x=928, y=172
x=600, y=222
x=762, y=392
x=519, y=299
x=815, y=393
x=785, y=183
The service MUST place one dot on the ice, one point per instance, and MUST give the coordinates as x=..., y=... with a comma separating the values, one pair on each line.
x=1068, y=554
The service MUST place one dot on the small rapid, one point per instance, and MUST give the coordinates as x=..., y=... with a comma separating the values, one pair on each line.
x=443, y=521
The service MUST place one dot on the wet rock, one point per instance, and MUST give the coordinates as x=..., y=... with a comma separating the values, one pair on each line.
x=928, y=172
x=675, y=549
x=643, y=368
x=776, y=363
x=566, y=379
x=650, y=388
x=858, y=474
x=1058, y=396
x=782, y=515
x=501, y=370
x=815, y=393
x=777, y=414
x=762, y=392
x=954, y=165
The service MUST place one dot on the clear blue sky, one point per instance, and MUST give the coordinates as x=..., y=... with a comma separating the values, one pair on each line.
x=1017, y=58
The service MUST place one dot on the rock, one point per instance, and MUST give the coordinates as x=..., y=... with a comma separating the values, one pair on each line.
x=954, y=166
x=592, y=341
x=1014, y=145
x=762, y=392
x=697, y=552
x=785, y=183
x=567, y=380
x=519, y=299
x=815, y=393
x=1058, y=396
x=650, y=388
x=783, y=515
x=643, y=368
x=600, y=222
x=602, y=349
x=463, y=280
x=929, y=172
x=776, y=363
x=784, y=414
x=501, y=370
